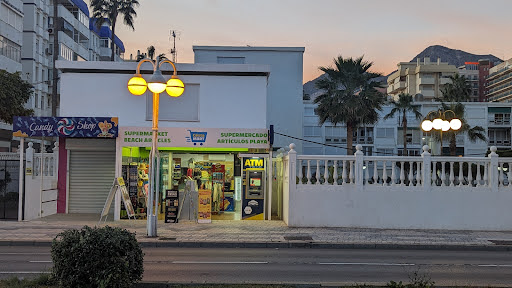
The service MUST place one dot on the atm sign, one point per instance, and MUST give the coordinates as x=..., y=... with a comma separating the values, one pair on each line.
x=254, y=163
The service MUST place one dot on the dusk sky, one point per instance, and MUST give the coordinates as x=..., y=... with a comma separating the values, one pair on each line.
x=386, y=32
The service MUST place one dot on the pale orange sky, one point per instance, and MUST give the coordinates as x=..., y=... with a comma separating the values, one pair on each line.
x=386, y=32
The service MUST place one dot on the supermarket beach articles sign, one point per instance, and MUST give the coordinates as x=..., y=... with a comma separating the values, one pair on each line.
x=73, y=127
x=196, y=137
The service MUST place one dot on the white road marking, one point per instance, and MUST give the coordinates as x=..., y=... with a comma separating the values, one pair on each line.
x=367, y=264
x=216, y=262
x=40, y=261
x=24, y=272
x=495, y=265
x=24, y=253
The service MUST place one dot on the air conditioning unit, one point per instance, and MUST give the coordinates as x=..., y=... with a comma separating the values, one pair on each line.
x=370, y=139
x=327, y=140
x=506, y=142
x=343, y=140
x=336, y=140
x=50, y=30
x=48, y=51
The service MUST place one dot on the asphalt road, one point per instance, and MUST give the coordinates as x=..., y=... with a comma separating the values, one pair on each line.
x=324, y=266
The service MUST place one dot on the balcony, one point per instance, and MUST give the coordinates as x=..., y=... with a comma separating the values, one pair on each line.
x=396, y=87
x=426, y=81
x=445, y=81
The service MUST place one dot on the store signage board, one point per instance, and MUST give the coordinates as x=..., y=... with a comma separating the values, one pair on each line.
x=196, y=137
x=71, y=127
x=117, y=184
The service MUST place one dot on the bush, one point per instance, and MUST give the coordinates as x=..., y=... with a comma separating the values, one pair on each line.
x=97, y=257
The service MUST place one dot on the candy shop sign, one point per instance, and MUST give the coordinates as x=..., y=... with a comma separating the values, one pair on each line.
x=77, y=127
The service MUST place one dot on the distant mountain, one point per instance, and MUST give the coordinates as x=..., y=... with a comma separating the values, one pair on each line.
x=452, y=56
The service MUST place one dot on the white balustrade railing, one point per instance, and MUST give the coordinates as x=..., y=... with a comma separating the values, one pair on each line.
x=408, y=171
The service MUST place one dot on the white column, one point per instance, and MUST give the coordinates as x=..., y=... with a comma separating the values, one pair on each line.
x=493, y=170
x=427, y=176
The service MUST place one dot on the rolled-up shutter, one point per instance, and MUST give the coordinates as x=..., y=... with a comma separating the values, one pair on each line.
x=91, y=174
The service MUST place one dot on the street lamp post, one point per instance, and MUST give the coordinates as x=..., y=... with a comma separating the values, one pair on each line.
x=156, y=84
x=440, y=123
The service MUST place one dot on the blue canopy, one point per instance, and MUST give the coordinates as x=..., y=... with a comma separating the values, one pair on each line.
x=82, y=6
x=105, y=32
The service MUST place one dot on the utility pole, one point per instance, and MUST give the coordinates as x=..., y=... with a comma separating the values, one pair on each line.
x=173, y=50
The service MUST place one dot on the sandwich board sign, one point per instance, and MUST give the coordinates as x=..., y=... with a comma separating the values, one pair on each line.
x=118, y=185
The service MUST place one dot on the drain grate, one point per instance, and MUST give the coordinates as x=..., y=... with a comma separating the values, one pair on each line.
x=299, y=238
x=501, y=242
x=167, y=238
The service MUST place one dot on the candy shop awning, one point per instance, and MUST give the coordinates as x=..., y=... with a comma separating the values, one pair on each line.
x=73, y=127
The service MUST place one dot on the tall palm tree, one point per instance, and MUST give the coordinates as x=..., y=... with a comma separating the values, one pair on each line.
x=457, y=91
x=109, y=10
x=151, y=52
x=403, y=105
x=474, y=133
x=349, y=95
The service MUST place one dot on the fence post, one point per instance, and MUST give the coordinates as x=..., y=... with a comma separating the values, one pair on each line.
x=30, y=160
x=359, y=167
x=426, y=171
x=493, y=169
x=292, y=182
x=56, y=159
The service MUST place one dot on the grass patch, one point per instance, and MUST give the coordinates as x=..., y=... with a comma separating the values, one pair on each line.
x=41, y=281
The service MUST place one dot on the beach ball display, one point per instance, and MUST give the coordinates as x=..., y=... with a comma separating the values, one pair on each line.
x=65, y=126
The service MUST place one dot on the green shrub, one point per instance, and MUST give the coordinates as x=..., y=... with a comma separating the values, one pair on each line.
x=97, y=257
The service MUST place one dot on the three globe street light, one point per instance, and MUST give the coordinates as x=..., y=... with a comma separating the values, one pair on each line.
x=441, y=123
x=156, y=84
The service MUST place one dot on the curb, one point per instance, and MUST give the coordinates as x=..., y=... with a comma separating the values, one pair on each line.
x=291, y=244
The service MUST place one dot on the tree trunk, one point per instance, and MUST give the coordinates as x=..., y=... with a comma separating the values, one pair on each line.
x=350, y=129
x=113, y=45
x=453, y=145
x=404, y=125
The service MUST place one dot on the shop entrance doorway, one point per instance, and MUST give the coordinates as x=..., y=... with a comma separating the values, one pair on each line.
x=9, y=192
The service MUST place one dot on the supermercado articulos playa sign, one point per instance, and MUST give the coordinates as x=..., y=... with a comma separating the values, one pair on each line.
x=195, y=137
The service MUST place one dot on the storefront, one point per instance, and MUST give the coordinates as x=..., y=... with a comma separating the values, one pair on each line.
x=205, y=167
x=202, y=135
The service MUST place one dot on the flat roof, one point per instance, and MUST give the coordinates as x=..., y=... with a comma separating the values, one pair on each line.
x=147, y=68
x=249, y=48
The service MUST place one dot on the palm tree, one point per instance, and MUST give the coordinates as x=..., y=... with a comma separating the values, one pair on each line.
x=108, y=10
x=349, y=95
x=402, y=106
x=457, y=91
x=474, y=133
x=151, y=52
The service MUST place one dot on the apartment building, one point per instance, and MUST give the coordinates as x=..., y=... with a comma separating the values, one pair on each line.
x=11, y=40
x=471, y=72
x=499, y=82
x=27, y=30
x=386, y=137
x=423, y=79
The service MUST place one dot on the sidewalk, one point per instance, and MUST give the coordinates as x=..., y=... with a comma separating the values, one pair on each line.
x=256, y=234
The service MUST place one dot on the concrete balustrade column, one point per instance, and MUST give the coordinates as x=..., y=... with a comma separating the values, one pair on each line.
x=427, y=169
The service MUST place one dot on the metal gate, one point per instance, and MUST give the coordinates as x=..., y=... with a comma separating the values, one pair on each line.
x=9, y=189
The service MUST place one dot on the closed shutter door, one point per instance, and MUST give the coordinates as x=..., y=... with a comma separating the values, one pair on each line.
x=91, y=174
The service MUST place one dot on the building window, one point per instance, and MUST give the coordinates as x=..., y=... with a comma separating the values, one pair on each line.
x=10, y=49
x=312, y=131
x=11, y=17
x=385, y=133
x=104, y=42
x=384, y=151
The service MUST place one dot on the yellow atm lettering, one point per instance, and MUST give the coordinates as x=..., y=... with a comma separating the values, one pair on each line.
x=254, y=162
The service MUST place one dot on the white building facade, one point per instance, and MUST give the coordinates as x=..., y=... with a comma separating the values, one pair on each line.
x=386, y=136
x=284, y=97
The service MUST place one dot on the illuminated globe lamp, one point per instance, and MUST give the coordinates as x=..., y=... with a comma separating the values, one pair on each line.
x=175, y=86
x=137, y=85
x=437, y=123
x=426, y=125
x=157, y=83
x=445, y=126
x=455, y=124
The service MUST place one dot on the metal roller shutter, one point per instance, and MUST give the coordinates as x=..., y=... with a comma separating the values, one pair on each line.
x=91, y=174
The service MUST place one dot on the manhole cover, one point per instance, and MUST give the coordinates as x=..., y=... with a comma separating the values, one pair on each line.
x=167, y=238
x=301, y=238
x=501, y=242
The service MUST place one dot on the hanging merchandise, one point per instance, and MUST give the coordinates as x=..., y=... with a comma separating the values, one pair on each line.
x=218, y=187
